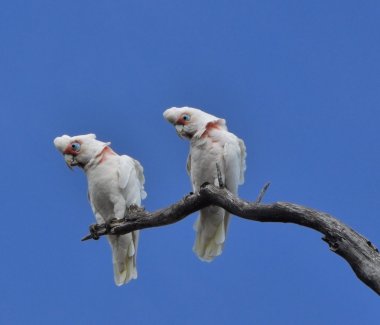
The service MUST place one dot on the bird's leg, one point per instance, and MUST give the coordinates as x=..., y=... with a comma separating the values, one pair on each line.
x=219, y=174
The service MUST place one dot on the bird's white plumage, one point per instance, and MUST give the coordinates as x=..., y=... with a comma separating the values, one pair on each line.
x=114, y=183
x=210, y=144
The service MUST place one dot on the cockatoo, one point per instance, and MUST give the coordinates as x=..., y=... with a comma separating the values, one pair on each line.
x=114, y=183
x=210, y=144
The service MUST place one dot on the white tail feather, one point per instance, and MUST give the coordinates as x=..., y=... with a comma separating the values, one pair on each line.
x=211, y=227
x=124, y=257
x=220, y=235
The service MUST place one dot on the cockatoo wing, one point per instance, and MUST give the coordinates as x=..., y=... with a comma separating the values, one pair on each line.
x=209, y=227
x=140, y=177
x=234, y=167
x=124, y=170
x=212, y=224
x=124, y=247
x=188, y=165
x=243, y=156
x=131, y=179
x=210, y=143
x=234, y=164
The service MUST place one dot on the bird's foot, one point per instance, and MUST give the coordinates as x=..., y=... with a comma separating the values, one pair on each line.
x=135, y=208
x=133, y=212
x=205, y=184
x=110, y=224
x=94, y=231
x=187, y=196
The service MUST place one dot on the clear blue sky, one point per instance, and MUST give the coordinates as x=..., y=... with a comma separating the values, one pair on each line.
x=297, y=80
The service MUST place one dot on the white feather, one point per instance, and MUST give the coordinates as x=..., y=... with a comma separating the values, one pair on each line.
x=210, y=144
x=114, y=183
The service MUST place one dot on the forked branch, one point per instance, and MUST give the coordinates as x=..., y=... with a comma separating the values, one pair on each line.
x=363, y=257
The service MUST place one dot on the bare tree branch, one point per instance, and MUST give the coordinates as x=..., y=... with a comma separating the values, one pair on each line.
x=363, y=257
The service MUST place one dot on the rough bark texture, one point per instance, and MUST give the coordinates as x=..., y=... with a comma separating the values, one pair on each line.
x=363, y=257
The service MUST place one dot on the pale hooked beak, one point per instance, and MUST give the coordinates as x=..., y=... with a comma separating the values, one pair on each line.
x=179, y=129
x=70, y=161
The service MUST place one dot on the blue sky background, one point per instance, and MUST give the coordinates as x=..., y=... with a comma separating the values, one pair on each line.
x=297, y=80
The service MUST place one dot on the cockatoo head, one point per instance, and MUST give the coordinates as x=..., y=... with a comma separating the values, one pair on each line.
x=80, y=149
x=192, y=122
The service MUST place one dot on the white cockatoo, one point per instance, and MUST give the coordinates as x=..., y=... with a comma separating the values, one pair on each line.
x=114, y=183
x=210, y=144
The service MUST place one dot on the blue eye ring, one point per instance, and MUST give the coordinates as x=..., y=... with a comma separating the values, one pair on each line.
x=75, y=146
x=186, y=117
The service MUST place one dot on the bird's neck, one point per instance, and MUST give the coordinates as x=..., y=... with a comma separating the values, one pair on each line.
x=100, y=158
x=207, y=131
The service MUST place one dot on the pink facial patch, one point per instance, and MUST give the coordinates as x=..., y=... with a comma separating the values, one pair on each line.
x=70, y=151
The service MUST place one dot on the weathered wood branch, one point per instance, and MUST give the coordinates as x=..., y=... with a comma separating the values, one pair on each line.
x=363, y=257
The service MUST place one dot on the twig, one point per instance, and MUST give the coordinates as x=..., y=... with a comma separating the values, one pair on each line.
x=262, y=193
x=88, y=237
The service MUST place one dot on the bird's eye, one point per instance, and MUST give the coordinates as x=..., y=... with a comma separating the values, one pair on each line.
x=186, y=117
x=75, y=146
